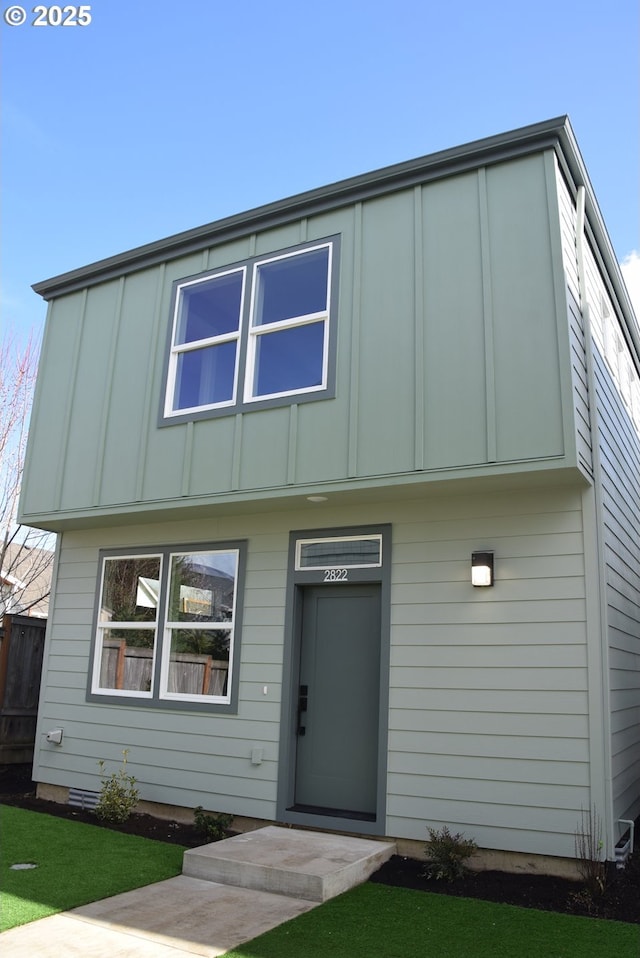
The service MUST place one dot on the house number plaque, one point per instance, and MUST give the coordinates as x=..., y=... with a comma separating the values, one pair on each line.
x=336, y=575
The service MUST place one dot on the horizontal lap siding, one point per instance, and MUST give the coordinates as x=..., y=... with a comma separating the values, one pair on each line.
x=617, y=387
x=620, y=466
x=488, y=724
x=181, y=758
x=488, y=728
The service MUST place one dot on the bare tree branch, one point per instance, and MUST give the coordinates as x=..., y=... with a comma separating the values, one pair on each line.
x=26, y=555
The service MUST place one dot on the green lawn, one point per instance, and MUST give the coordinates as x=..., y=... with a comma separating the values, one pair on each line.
x=80, y=863
x=375, y=920
x=77, y=864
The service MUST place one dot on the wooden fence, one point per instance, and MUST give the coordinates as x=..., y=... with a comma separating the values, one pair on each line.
x=124, y=667
x=21, y=652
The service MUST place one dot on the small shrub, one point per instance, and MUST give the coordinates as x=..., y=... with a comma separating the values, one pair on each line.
x=589, y=845
x=118, y=794
x=213, y=827
x=447, y=854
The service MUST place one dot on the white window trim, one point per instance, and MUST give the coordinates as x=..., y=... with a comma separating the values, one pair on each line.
x=337, y=564
x=105, y=625
x=171, y=626
x=247, y=336
x=256, y=330
x=158, y=696
x=177, y=349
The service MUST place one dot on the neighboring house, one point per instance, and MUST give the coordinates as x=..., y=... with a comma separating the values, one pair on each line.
x=271, y=446
x=25, y=580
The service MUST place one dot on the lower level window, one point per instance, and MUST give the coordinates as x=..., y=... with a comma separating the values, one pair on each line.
x=167, y=625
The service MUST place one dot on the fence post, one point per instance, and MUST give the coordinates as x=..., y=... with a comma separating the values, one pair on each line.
x=120, y=664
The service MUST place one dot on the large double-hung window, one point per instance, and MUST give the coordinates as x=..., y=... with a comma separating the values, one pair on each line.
x=259, y=332
x=168, y=626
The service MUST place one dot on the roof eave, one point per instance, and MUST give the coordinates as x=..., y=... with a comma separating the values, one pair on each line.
x=492, y=149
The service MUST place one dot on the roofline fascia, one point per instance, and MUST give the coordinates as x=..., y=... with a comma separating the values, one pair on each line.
x=575, y=171
x=492, y=149
x=556, y=134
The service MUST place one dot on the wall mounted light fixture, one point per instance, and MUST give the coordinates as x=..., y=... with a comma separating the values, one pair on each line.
x=482, y=568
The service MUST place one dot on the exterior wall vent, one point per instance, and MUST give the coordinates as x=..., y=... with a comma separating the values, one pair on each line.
x=82, y=798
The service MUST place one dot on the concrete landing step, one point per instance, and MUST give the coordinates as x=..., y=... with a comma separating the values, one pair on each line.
x=313, y=866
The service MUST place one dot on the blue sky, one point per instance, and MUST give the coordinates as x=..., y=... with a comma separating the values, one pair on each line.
x=162, y=116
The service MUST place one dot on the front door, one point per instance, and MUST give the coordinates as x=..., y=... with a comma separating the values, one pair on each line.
x=338, y=697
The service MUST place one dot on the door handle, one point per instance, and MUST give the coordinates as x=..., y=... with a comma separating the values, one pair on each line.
x=303, y=701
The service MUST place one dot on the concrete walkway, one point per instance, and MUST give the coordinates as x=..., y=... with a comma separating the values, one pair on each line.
x=189, y=915
x=177, y=918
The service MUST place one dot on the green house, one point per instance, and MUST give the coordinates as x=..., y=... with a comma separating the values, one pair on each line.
x=347, y=494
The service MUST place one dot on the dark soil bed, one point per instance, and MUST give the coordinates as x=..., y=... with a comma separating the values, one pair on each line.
x=620, y=900
x=16, y=788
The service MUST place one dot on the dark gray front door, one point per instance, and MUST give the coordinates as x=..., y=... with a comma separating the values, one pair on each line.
x=338, y=700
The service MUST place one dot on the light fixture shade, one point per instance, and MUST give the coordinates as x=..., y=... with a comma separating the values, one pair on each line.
x=482, y=568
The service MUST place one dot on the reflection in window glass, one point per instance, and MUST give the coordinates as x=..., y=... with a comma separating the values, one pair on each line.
x=289, y=359
x=199, y=662
x=205, y=377
x=127, y=659
x=166, y=626
x=210, y=308
x=207, y=315
x=130, y=590
x=292, y=286
x=337, y=553
x=259, y=332
x=200, y=614
x=202, y=587
x=130, y=595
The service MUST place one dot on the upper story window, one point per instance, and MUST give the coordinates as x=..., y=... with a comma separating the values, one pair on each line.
x=259, y=332
x=204, y=355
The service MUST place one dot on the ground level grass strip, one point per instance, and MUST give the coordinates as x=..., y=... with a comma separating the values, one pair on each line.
x=375, y=920
x=76, y=864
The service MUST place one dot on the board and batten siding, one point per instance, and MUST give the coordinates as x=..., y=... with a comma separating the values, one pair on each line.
x=488, y=724
x=579, y=375
x=450, y=342
x=568, y=227
x=584, y=440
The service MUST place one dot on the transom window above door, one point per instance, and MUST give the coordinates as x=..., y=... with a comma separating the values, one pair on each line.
x=356, y=552
x=257, y=333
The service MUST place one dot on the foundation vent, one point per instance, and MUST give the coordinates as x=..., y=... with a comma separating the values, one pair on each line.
x=83, y=798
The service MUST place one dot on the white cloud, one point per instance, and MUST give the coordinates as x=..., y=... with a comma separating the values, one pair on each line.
x=630, y=267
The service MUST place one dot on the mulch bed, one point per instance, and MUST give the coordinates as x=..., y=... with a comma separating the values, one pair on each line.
x=16, y=788
x=620, y=900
